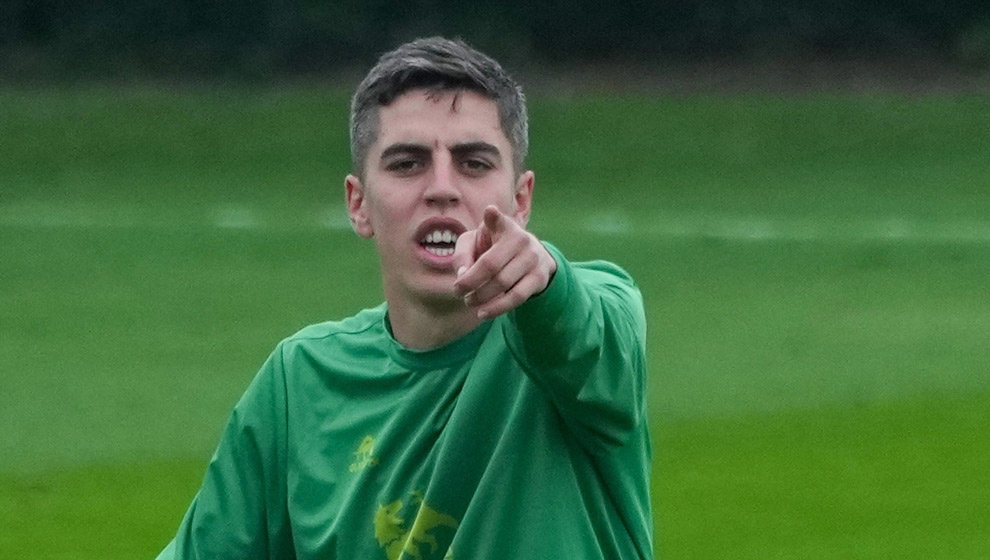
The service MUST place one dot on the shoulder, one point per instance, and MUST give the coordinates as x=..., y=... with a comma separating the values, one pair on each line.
x=357, y=329
x=605, y=279
x=614, y=288
x=299, y=362
x=591, y=273
x=603, y=272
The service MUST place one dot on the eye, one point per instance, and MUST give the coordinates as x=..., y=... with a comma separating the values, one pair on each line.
x=476, y=166
x=406, y=166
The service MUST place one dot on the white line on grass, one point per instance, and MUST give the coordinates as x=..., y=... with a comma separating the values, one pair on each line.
x=232, y=216
x=726, y=227
x=774, y=228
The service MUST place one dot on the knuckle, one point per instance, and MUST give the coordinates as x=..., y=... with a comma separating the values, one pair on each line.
x=488, y=266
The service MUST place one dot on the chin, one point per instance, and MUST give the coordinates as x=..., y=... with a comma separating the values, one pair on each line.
x=445, y=301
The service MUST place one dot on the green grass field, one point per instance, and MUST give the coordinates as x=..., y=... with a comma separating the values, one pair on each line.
x=815, y=270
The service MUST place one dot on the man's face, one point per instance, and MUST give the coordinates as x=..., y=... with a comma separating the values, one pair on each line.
x=440, y=158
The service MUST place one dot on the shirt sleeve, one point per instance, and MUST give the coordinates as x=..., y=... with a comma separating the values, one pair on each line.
x=583, y=341
x=240, y=509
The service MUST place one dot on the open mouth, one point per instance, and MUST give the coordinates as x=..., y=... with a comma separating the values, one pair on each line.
x=439, y=242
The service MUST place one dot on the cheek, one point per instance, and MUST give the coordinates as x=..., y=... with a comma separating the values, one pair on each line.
x=387, y=219
x=387, y=212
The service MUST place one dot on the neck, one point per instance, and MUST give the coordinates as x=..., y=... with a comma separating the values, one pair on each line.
x=425, y=328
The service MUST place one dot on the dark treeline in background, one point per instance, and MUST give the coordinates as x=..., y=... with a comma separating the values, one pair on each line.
x=78, y=39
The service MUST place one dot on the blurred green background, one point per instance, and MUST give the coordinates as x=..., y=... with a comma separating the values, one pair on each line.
x=814, y=250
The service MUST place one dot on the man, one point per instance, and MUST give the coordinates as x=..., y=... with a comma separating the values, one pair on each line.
x=492, y=407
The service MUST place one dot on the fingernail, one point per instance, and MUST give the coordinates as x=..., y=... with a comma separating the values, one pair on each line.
x=461, y=270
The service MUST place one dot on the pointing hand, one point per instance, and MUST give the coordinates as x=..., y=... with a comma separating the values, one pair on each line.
x=500, y=265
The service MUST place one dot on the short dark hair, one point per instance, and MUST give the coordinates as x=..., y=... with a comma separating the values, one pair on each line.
x=436, y=64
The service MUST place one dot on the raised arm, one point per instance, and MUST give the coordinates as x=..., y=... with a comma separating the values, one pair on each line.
x=579, y=330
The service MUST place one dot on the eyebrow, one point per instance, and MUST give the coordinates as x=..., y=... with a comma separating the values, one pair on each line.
x=460, y=149
x=476, y=147
x=405, y=148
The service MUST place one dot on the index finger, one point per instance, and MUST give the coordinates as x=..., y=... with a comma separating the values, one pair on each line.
x=493, y=220
x=472, y=244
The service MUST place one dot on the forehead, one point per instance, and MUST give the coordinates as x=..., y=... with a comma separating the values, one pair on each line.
x=440, y=116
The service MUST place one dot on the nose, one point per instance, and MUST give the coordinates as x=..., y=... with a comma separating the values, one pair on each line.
x=442, y=189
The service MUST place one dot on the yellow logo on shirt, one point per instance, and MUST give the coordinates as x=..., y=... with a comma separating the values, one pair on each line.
x=364, y=457
x=396, y=540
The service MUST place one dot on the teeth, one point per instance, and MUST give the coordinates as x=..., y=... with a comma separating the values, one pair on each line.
x=445, y=236
x=440, y=251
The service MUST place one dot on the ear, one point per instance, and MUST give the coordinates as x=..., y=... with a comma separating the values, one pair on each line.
x=357, y=207
x=523, y=198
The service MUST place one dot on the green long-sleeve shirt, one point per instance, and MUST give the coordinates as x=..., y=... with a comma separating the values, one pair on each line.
x=525, y=439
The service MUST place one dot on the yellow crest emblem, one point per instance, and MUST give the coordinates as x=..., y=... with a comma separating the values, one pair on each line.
x=364, y=457
x=396, y=539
